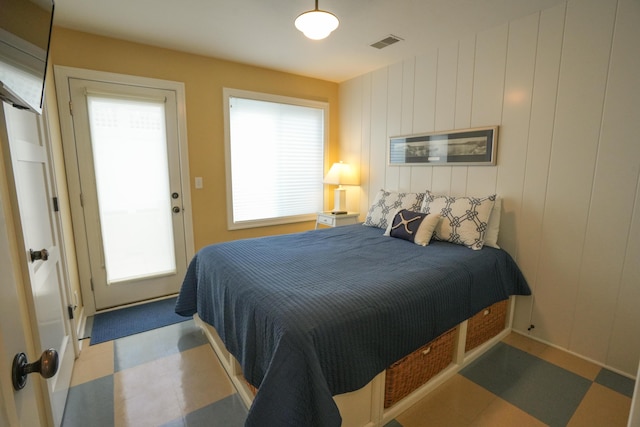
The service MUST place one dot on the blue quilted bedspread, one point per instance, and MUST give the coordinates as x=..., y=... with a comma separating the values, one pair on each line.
x=319, y=313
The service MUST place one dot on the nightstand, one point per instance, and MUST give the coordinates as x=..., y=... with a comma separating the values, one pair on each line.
x=331, y=220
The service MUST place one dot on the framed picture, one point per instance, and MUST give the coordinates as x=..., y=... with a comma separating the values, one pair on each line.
x=456, y=147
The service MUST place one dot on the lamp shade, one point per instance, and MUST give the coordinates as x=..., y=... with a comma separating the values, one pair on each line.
x=341, y=174
x=317, y=24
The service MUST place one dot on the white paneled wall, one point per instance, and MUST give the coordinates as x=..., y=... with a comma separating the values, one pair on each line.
x=564, y=87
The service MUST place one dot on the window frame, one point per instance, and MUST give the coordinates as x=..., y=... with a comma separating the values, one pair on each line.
x=260, y=96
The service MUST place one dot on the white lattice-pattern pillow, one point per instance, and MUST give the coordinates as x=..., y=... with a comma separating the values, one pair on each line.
x=387, y=203
x=464, y=219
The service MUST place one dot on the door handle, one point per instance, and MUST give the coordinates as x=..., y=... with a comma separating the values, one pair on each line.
x=46, y=366
x=41, y=254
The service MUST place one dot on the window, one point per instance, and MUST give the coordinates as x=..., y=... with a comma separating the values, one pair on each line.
x=275, y=148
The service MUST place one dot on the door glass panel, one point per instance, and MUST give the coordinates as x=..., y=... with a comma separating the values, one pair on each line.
x=128, y=138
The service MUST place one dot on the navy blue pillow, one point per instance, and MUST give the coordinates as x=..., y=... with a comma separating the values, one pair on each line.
x=405, y=224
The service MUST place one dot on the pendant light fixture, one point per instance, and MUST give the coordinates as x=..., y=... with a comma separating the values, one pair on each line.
x=317, y=24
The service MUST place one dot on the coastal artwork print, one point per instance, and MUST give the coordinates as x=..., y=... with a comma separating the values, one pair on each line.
x=458, y=147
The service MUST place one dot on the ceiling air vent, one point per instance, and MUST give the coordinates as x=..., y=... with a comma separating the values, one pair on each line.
x=389, y=40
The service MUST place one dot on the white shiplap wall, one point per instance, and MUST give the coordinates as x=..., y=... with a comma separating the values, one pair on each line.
x=564, y=87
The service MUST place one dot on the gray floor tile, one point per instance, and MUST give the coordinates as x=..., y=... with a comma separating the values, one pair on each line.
x=141, y=348
x=228, y=412
x=91, y=401
x=616, y=382
x=539, y=388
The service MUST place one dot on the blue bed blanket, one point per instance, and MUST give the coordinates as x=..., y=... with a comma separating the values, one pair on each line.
x=319, y=313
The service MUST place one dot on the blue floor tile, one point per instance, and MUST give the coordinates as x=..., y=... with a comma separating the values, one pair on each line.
x=147, y=346
x=90, y=401
x=616, y=382
x=228, y=412
x=539, y=388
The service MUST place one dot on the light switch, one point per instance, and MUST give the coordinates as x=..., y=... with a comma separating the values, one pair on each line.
x=198, y=182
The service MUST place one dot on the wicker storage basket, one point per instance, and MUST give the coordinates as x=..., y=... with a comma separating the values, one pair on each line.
x=415, y=369
x=486, y=324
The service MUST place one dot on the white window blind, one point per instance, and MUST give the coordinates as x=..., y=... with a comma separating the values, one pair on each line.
x=276, y=157
x=129, y=144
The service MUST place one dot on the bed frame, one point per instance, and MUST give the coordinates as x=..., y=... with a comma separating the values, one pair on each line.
x=365, y=407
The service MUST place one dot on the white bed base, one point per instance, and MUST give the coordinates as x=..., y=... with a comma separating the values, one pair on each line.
x=365, y=407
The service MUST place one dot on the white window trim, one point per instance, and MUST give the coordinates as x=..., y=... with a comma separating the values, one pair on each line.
x=239, y=93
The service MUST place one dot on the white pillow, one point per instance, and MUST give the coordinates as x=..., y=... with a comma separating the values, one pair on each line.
x=387, y=203
x=491, y=236
x=464, y=219
x=426, y=230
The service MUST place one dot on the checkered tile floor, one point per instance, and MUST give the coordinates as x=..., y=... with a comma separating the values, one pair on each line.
x=171, y=377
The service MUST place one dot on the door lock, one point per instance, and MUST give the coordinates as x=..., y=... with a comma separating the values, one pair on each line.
x=41, y=254
x=175, y=209
x=46, y=366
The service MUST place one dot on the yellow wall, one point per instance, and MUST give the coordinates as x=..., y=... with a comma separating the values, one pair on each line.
x=204, y=79
x=14, y=15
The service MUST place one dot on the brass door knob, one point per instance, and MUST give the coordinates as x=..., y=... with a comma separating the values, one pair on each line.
x=46, y=366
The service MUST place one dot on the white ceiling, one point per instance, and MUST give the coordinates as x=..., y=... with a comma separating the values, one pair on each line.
x=261, y=32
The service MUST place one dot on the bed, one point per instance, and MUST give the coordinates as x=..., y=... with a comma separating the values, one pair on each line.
x=316, y=314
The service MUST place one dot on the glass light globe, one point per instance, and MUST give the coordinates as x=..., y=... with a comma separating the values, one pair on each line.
x=317, y=24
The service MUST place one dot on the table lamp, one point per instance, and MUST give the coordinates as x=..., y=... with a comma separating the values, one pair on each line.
x=340, y=174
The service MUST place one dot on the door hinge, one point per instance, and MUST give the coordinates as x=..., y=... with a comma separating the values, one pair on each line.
x=71, y=308
x=81, y=200
x=55, y=205
x=71, y=108
x=91, y=281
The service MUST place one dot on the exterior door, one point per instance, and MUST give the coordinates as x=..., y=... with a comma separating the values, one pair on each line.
x=128, y=155
x=44, y=270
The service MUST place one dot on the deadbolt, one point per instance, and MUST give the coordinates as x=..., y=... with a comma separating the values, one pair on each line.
x=41, y=254
x=46, y=366
x=175, y=209
x=174, y=195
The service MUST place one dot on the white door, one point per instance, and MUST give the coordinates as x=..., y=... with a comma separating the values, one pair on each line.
x=16, y=408
x=28, y=139
x=128, y=155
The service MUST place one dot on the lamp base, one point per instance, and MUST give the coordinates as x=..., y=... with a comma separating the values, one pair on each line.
x=339, y=201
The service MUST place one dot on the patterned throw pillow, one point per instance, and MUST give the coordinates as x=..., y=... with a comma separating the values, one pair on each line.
x=387, y=203
x=464, y=219
x=413, y=226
